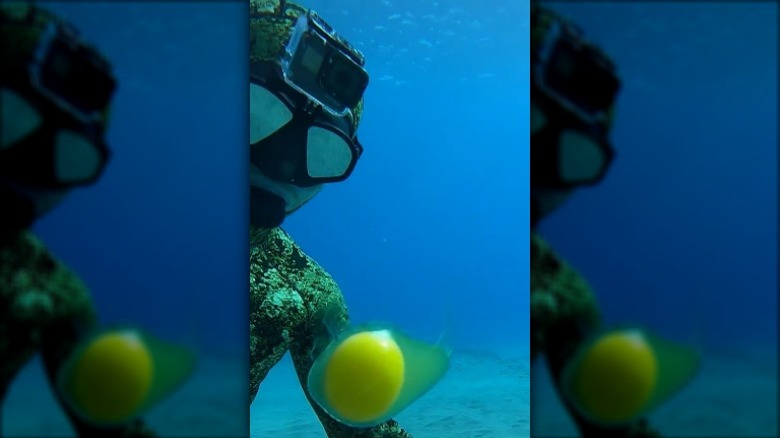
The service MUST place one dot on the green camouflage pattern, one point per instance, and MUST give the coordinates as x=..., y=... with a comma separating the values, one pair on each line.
x=561, y=301
x=564, y=312
x=45, y=308
x=292, y=299
x=270, y=27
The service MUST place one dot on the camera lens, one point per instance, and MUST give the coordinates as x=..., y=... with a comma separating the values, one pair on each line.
x=345, y=81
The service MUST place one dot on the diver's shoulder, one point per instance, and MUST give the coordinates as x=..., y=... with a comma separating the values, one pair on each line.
x=261, y=237
x=539, y=245
x=544, y=257
x=273, y=249
x=21, y=243
x=32, y=276
x=277, y=246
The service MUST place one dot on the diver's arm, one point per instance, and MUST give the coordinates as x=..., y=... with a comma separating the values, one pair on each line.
x=333, y=428
x=74, y=318
x=303, y=359
x=563, y=314
x=558, y=354
x=324, y=311
x=59, y=343
x=275, y=308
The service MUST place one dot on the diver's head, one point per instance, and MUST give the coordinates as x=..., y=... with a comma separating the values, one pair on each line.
x=55, y=92
x=306, y=98
x=573, y=92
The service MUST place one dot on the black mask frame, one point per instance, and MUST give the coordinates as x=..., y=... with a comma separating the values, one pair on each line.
x=546, y=147
x=71, y=86
x=282, y=155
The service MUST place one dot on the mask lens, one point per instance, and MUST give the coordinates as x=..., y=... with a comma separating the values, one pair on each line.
x=17, y=118
x=580, y=158
x=76, y=159
x=538, y=118
x=266, y=113
x=328, y=155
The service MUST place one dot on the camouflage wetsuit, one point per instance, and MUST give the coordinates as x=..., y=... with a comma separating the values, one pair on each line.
x=563, y=312
x=45, y=308
x=289, y=294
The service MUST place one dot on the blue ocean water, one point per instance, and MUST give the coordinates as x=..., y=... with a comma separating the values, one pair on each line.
x=161, y=239
x=682, y=233
x=431, y=230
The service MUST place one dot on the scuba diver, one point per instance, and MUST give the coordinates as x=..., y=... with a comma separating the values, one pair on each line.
x=303, y=124
x=573, y=91
x=55, y=96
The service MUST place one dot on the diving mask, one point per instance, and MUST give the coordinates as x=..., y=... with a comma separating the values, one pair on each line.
x=575, y=74
x=54, y=107
x=573, y=91
x=292, y=140
x=70, y=75
x=323, y=66
x=565, y=154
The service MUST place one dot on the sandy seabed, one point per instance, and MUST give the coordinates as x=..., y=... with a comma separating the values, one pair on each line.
x=482, y=395
x=735, y=394
x=211, y=404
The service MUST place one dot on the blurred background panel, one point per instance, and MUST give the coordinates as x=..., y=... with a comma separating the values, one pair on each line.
x=682, y=234
x=430, y=232
x=160, y=240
